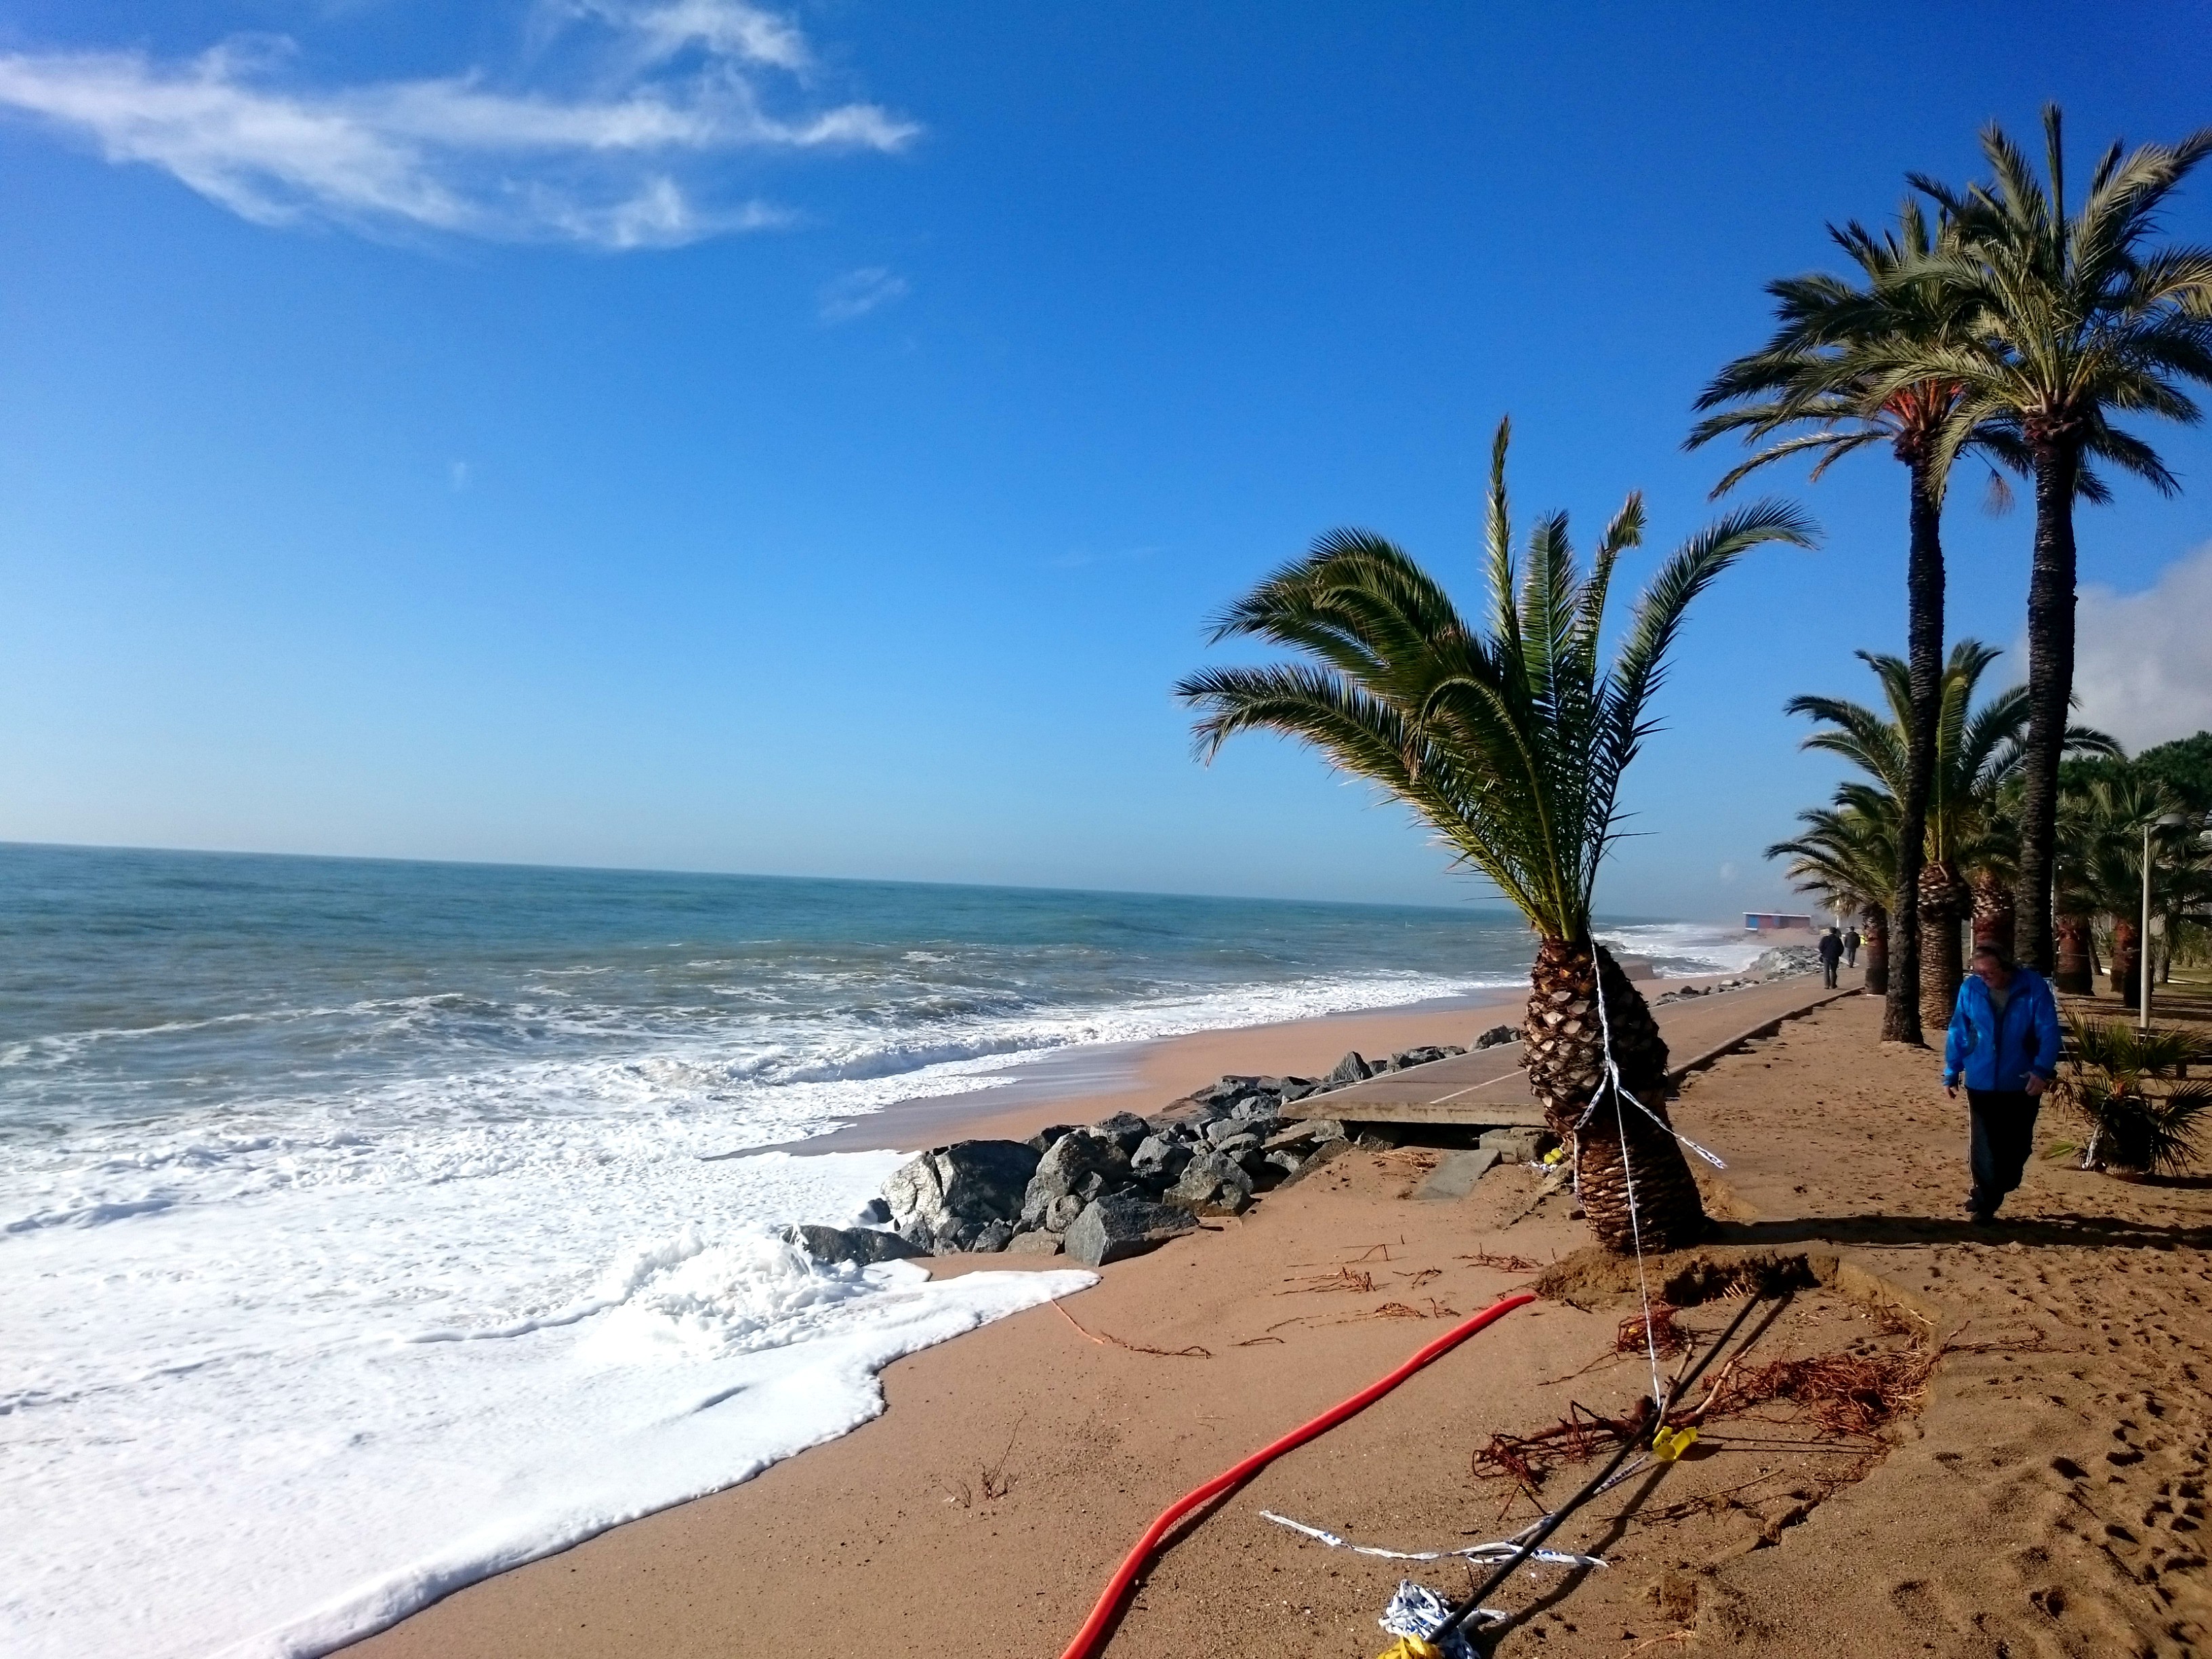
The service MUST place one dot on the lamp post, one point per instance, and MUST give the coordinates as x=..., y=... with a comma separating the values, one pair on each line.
x=2168, y=821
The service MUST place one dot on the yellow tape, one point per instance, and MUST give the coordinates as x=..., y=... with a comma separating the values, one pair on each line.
x=1668, y=1444
x=1412, y=1647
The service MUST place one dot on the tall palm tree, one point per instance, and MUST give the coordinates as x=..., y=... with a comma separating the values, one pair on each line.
x=1847, y=854
x=1510, y=741
x=2099, y=870
x=1805, y=383
x=2077, y=320
x=1978, y=751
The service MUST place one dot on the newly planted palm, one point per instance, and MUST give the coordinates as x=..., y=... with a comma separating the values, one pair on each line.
x=1806, y=383
x=1510, y=741
x=2144, y=1115
x=1978, y=752
x=2077, y=320
x=1847, y=854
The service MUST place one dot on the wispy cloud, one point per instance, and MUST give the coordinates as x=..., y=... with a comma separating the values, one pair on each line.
x=2143, y=662
x=857, y=293
x=619, y=137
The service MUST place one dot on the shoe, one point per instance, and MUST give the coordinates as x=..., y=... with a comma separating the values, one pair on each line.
x=1983, y=1217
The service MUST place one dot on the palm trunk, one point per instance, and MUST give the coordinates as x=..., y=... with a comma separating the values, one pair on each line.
x=1877, y=950
x=1923, y=589
x=2076, y=975
x=2127, y=960
x=2049, y=691
x=1942, y=905
x=1563, y=1041
x=1995, y=914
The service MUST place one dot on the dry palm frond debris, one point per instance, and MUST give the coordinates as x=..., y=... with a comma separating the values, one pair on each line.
x=1107, y=1339
x=1655, y=1332
x=1507, y=1263
x=1344, y=1279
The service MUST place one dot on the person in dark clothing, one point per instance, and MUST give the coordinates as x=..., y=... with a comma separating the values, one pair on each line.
x=1831, y=952
x=1851, y=942
x=2003, y=1046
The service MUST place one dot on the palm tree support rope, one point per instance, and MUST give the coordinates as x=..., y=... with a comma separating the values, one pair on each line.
x=1485, y=1553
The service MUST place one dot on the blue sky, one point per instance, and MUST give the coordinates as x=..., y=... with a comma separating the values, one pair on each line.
x=674, y=433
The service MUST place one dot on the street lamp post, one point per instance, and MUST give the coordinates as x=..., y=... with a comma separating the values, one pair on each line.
x=2170, y=821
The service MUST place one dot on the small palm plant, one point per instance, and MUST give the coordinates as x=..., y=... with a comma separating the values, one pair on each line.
x=1510, y=742
x=2144, y=1117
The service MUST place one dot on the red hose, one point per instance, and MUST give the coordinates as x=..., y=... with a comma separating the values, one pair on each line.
x=1091, y=1637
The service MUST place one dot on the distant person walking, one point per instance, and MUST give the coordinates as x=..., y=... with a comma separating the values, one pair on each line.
x=2004, y=1047
x=1851, y=942
x=1831, y=952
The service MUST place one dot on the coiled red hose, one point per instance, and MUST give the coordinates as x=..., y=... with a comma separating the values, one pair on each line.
x=1091, y=1637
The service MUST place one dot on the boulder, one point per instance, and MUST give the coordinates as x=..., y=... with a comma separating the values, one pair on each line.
x=1423, y=1056
x=944, y=1199
x=1082, y=1165
x=1042, y=1138
x=1159, y=1158
x=1298, y=1088
x=1496, y=1035
x=1061, y=1214
x=1236, y=1146
x=1313, y=1131
x=1226, y=1093
x=1122, y=1225
x=1221, y=1128
x=1033, y=1244
x=862, y=1245
x=1349, y=1070
x=875, y=1212
x=1125, y=1129
x=1212, y=1185
x=993, y=1235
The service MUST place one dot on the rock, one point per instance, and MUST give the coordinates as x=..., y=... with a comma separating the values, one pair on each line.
x=1083, y=1164
x=1496, y=1035
x=942, y=1198
x=1257, y=1109
x=862, y=1245
x=1212, y=1185
x=1298, y=1088
x=1159, y=1158
x=1349, y=1070
x=1061, y=1215
x=875, y=1212
x=1314, y=1129
x=1236, y=1146
x=1044, y=1139
x=1033, y=1244
x=1122, y=1225
x=1221, y=1128
x=1231, y=1089
x=1288, y=1163
x=1125, y=1129
x=1424, y=1056
x=993, y=1235
x=1517, y=1145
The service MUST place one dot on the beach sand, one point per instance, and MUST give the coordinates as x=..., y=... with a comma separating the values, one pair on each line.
x=2042, y=1495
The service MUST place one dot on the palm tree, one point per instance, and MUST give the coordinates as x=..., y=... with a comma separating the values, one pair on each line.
x=1978, y=751
x=1847, y=854
x=1805, y=382
x=2076, y=320
x=1510, y=742
x=2099, y=871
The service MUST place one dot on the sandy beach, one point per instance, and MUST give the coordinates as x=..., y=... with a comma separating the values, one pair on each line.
x=2040, y=1493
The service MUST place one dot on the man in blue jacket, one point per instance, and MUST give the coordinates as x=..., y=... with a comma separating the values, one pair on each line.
x=2004, y=1045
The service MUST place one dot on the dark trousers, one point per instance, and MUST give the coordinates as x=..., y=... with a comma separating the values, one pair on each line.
x=1828, y=970
x=1850, y=956
x=2004, y=1129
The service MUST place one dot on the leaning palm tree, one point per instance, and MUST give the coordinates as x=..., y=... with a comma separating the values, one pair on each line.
x=1847, y=854
x=1805, y=383
x=1978, y=752
x=2077, y=320
x=1510, y=741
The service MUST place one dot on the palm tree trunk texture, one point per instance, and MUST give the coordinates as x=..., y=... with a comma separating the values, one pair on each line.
x=1876, y=951
x=1564, y=1042
x=1996, y=916
x=1924, y=587
x=2127, y=962
x=2050, y=690
x=1942, y=906
x=2076, y=974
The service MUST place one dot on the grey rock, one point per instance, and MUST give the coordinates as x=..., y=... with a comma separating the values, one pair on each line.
x=1349, y=1070
x=1083, y=1164
x=942, y=1198
x=1496, y=1035
x=1125, y=1129
x=1237, y=1146
x=1286, y=1161
x=1061, y=1216
x=1221, y=1128
x=1033, y=1244
x=1158, y=1158
x=1044, y=1139
x=1212, y=1185
x=1298, y=1088
x=862, y=1245
x=875, y=1212
x=1517, y=1145
x=1313, y=1131
x=1122, y=1225
x=993, y=1235
x=1231, y=1089
x=1423, y=1056
x=1257, y=1107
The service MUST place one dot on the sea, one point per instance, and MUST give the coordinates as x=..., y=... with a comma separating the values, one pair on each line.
x=369, y=1227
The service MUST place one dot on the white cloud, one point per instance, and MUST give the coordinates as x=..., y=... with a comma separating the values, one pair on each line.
x=2143, y=662
x=857, y=293
x=616, y=143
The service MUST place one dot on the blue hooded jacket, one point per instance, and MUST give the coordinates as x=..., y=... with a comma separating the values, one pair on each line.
x=1999, y=1052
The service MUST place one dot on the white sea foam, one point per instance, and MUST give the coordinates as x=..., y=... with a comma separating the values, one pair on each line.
x=1683, y=949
